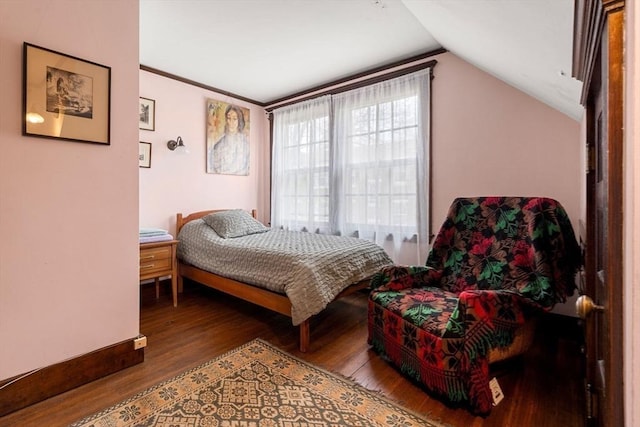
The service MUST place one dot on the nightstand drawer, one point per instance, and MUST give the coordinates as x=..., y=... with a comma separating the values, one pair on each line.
x=153, y=254
x=147, y=267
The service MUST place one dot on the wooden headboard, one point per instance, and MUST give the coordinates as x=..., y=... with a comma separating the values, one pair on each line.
x=182, y=220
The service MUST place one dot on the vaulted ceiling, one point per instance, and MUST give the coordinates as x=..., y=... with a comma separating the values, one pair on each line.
x=265, y=50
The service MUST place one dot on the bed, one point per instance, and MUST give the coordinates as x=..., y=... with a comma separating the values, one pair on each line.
x=293, y=273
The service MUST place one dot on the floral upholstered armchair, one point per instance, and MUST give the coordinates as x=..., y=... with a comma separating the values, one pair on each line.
x=495, y=264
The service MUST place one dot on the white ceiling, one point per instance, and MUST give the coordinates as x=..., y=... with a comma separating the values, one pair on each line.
x=265, y=50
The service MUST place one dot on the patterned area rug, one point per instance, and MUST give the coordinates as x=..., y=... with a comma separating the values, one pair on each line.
x=256, y=385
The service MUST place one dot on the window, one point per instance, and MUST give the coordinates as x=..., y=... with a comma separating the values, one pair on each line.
x=381, y=166
x=356, y=163
x=300, y=198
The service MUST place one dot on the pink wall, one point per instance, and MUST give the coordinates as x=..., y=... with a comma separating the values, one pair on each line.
x=68, y=210
x=489, y=138
x=179, y=183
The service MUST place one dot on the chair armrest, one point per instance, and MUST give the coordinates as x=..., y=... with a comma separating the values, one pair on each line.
x=398, y=277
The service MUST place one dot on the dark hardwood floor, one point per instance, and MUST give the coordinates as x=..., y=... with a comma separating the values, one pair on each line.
x=541, y=388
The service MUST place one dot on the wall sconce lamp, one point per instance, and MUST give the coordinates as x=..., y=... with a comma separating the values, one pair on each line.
x=177, y=143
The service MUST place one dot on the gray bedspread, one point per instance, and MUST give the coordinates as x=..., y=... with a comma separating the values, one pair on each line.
x=311, y=269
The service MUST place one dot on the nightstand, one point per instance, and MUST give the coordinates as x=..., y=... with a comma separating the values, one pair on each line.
x=158, y=259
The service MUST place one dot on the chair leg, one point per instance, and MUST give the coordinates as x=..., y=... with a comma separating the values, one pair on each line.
x=157, y=288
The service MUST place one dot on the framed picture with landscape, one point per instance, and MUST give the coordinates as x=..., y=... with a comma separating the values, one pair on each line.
x=65, y=97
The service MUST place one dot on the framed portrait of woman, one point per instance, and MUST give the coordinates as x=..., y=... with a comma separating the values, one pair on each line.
x=227, y=138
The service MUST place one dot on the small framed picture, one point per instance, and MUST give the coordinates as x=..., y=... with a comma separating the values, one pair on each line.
x=65, y=97
x=147, y=114
x=144, y=154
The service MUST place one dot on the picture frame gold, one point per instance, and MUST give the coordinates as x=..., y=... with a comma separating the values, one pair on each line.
x=65, y=97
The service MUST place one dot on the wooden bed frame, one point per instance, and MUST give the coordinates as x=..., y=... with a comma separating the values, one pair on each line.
x=264, y=298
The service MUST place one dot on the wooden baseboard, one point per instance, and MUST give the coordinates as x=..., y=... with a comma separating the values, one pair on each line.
x=24, y=390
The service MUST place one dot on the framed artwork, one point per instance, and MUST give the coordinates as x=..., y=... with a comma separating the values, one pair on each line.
x=227, y=138
x=147, y=114
x=144, y=154
x=65, y=97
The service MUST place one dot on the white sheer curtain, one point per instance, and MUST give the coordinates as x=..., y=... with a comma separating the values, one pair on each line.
x=300, y=166
x=381, y=161
x=356, y=164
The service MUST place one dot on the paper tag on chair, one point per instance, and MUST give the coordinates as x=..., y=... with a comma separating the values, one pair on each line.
x=496, y=391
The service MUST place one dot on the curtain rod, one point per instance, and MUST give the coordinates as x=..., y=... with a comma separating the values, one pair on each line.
x=333, y=89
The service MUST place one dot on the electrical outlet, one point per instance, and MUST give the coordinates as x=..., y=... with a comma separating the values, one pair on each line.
x=139, y=342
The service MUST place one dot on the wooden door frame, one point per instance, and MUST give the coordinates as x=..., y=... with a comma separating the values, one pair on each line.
x=601, y=23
